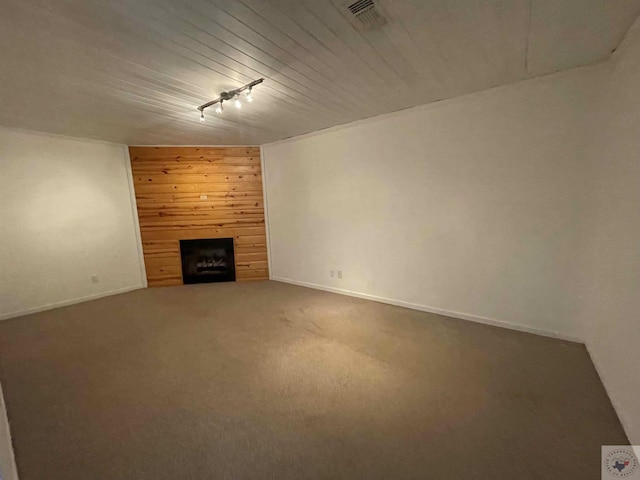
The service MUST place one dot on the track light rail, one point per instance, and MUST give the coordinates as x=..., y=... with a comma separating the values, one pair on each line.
x=228, y=96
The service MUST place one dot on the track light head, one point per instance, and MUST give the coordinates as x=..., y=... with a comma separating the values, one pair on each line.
x=249, y=95
x=202, y=115
x=219, y=107
x=237, y=102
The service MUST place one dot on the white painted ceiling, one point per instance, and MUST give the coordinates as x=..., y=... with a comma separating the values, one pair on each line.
x=133, y=71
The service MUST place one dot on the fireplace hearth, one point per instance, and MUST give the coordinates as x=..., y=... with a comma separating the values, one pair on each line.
x=207, y=260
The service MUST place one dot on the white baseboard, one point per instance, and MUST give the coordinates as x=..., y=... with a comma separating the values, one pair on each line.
x=438, y=311
x=64, y=303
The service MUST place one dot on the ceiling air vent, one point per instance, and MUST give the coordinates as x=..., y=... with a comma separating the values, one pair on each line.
x=366, y=15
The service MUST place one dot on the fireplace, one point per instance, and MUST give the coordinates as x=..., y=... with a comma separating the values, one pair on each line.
x=207, y=260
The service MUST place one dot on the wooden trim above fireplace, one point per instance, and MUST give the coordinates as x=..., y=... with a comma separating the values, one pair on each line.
x=187, y=193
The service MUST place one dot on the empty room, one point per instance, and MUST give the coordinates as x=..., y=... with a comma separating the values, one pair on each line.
x=330, y=239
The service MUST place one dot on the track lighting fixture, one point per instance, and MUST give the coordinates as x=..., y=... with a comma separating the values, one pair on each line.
x=231, y=95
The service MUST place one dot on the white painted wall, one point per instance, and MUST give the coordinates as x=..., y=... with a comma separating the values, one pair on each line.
x=611, y=260
x=471, y=206
x=8, y=469
x=65, y=214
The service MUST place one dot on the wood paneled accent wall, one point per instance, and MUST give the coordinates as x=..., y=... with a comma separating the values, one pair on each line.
x=171, y=184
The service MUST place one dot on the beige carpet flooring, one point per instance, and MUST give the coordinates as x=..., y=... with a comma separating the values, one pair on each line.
x=266, y=380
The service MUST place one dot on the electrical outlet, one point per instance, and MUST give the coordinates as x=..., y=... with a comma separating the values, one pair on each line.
x=95, y=278
x=332, y=273
x=203, y=197
x=339, y=273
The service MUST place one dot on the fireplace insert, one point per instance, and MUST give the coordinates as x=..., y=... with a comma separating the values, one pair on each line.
x=207, y=260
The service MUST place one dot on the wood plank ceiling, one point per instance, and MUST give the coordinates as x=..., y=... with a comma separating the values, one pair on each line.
x=133, y=71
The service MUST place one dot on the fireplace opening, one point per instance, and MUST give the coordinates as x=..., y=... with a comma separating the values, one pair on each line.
x=207, y=260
